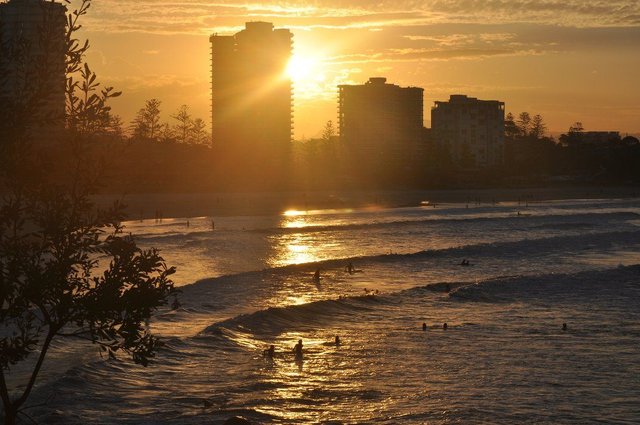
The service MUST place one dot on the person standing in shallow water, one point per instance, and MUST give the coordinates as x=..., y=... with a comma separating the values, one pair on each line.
x=297, y=350
x=270, y=352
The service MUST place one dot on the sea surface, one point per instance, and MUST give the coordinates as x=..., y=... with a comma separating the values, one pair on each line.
x=504, y=358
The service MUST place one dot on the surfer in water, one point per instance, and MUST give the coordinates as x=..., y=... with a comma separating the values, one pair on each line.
x=316, y=276
x=270, y=352
x=350, y=268
x=297, y=350
x=337, y=340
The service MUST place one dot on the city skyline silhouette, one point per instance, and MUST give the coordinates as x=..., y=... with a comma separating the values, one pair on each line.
x=519, y=55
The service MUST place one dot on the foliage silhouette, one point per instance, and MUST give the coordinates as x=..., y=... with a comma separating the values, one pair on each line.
x=67, y=269
x=87, y=104
x=53, y=243
x=146, y=124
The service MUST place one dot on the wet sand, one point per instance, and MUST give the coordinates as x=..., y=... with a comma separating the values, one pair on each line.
x=145, y=206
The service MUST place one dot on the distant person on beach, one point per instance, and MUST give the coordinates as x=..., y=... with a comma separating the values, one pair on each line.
x=270, y=352
x=213, y=225
x=297, y=350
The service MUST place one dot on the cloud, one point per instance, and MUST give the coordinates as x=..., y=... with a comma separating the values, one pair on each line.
x=456, y=40
x=160, y=81
x=420, y=55
x=203, y=17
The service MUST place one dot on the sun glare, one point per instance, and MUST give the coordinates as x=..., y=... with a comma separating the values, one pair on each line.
x=300, y=67
x=303, y=69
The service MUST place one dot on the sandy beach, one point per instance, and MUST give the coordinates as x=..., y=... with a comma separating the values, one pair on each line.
x=150, y=205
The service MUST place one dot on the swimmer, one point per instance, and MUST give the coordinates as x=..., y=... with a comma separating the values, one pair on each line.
x=350, y=268
x=270, y=352
x=297, y=350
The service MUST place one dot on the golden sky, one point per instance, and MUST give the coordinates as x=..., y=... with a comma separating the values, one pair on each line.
x=571, y=60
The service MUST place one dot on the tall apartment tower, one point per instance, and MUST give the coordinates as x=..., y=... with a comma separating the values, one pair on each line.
x=380, y=121
x=33, y=64
x=251, y=94
x=471, y=129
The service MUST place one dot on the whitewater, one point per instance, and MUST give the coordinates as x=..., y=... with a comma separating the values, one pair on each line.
x=247, y=282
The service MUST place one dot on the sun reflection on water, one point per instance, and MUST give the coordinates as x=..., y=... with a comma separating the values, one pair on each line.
x=329, y=375
x=295, y=248
x=299, y=253
x=298, y=299
x=293, y=213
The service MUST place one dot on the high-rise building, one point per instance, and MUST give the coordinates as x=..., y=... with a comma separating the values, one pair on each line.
x=33, y=64
x=471, y=130
x=251, y=93
x=380, y=121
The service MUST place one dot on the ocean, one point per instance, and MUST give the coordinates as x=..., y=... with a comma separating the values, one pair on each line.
x=504, y=357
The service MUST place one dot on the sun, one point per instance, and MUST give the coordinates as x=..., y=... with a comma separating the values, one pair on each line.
x=302, y=68
x=309, y=75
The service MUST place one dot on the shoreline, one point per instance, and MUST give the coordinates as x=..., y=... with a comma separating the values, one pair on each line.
x=178, y=205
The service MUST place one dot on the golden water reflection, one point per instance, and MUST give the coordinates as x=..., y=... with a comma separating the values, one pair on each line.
x=296, y=219
x=296, y=248
x=299, y=253
x=299, y=299
x=329, y=374
x=312, y=243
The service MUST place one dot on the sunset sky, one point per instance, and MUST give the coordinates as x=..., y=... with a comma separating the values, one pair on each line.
x=571, y=60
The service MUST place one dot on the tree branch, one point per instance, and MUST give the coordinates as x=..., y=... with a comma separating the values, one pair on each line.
x=4, y=392
x=36, y=370
x=33, y=421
